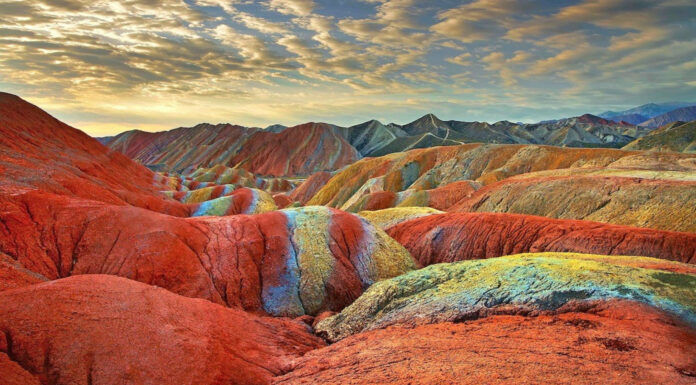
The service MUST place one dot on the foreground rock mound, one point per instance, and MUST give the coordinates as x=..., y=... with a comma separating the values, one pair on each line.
x=463, y=236
x=610, y=343
x=522, y=284
x=98, y=329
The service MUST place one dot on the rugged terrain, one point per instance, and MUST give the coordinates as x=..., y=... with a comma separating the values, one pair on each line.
x=286, y=255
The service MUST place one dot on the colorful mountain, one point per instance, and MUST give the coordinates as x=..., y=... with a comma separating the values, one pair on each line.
x=72, y=207
x=660, y=203
x=605, y=185
x=312, y=147
x=110, y=272
x=299, y=150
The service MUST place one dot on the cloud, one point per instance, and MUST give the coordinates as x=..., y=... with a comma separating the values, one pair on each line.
x=159, y=61
x=293, y=7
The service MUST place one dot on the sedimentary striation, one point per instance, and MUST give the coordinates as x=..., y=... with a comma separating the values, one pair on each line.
x=455, y=237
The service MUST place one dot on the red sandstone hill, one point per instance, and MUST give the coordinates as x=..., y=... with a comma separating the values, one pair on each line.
x=39, y=152
x=99, y=329
x=299, y=150
x=461, y=236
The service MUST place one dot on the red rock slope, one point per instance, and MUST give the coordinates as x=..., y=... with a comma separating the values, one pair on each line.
x=98, y=329
x=612, y=343
x=39, y=152
x=299, y=150
x=462, y=236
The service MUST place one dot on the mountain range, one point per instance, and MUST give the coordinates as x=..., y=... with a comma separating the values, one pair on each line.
x=312, y=147
x=652, y=114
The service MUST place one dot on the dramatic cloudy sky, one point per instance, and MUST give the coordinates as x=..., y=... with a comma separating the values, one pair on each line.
x=109, y=66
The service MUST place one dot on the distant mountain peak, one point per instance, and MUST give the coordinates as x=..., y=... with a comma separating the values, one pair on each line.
x=594, y=119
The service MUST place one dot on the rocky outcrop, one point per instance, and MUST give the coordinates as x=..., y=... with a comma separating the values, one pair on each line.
x=520, y=284
x=464, y=236
x=99, y=329
x=613, y=343
x=39, y=152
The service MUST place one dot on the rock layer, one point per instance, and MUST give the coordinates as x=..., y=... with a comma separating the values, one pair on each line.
x=426, y=169
x=463, y=236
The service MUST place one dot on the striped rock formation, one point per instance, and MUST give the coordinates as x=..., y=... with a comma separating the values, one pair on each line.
x=425, y=169
x=240, y=201
x=520, y=284
x=220, y=174
x=298, y=150
x=455, y=237
x=305, y=191
x=537, y=180
x=290, y=262
x=656, y=203
x=440, y=198
x=98, y=329
x=83, y=219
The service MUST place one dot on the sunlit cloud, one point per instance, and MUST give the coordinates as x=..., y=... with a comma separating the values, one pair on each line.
x=108, y=66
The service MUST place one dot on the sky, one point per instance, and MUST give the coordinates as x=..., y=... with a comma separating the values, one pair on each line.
x=110, y=66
